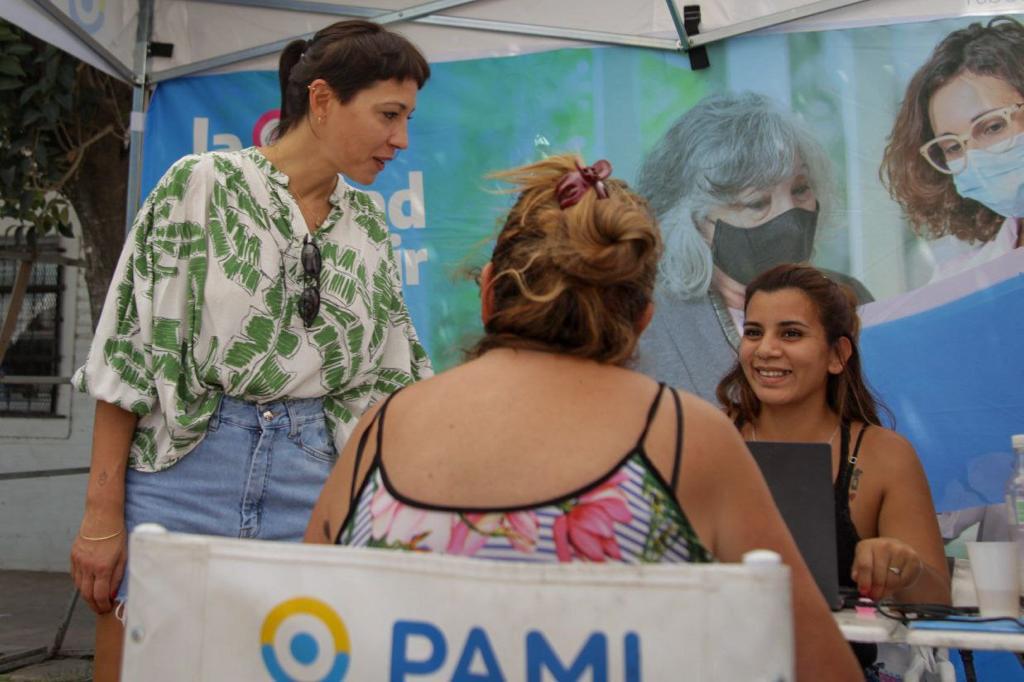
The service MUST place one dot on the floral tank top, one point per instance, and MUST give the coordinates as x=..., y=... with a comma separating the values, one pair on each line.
x=629, y=515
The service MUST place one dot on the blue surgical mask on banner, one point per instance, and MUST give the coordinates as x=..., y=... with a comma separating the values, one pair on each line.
x=995, y=179
x=744, y=253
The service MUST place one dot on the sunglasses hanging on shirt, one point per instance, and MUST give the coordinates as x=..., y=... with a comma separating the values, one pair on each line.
x=312, y=264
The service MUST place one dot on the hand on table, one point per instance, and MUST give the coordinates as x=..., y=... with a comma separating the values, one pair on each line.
x=882, y=566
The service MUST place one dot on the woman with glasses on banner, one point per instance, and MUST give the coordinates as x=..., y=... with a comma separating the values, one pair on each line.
x=955, y=159
x=255, y=314
x=738, y=186
x=798, y=379
x=512, y=457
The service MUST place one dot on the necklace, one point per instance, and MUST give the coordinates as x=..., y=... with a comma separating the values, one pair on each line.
x=753, y=433
x=318, y=218
x=302, y=202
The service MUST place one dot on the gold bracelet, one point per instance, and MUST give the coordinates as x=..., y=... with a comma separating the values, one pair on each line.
x=101, y=537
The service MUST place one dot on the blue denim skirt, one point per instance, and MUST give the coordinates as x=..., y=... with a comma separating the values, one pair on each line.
x=256, y=474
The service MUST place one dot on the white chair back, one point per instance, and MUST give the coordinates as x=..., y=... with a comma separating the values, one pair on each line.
x=203, y=608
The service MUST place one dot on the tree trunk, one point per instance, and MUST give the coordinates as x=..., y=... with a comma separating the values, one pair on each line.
x=99, y=192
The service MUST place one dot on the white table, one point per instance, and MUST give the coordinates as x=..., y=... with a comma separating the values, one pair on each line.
x=880, y=629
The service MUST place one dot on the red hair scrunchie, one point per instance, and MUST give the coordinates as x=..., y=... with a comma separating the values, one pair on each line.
x=575, y=184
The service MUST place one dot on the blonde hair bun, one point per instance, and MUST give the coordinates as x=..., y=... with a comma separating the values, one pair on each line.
x=575, y=280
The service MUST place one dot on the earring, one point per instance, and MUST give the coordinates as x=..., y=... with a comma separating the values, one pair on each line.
x=320, y=119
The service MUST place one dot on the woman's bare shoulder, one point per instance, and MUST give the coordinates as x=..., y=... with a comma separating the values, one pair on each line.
x=886, y=450
x=710, y=420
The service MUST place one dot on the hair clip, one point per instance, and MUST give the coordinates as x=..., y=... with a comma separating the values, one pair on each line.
x=575, y=184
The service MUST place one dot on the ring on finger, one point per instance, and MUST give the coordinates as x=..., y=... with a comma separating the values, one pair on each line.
x=895, y=571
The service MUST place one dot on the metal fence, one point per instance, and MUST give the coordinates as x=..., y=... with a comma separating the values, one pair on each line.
x=35, y=349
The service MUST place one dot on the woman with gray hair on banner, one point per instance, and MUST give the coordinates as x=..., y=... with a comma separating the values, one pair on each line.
x=737, y=185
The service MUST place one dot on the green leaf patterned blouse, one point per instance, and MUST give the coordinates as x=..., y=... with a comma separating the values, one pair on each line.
x=204, y=303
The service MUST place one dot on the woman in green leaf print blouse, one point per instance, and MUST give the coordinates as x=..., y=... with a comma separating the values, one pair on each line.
x=255, y=314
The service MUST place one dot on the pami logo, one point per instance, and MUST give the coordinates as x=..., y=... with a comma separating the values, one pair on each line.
x=304, y=640
x=89, y=14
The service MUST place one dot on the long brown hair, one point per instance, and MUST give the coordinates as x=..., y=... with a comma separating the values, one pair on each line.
x=847, y=393
x=574, y=280
x=929, y=197
x=351, y=56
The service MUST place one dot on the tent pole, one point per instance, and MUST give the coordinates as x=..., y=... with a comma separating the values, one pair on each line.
x=411, y=13
x=138, y=116
x=677, y=21
x=598, y=37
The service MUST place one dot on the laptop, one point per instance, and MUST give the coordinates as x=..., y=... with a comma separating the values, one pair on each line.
x=799, y=476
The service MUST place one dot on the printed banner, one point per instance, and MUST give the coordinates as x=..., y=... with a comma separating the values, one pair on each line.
x=217, y=609
x=925, y=236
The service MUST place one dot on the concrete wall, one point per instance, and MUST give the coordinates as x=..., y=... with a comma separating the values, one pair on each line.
x=39, y=516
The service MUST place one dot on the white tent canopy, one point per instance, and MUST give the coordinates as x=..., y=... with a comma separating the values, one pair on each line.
x=209, y=36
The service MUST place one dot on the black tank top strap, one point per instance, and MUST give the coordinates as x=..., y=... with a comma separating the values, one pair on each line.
x=847, y=536
x=847, y=460
x=679, y=439
x=650, y=416
x=378, y=420
x=844, y=466
x=856, y=447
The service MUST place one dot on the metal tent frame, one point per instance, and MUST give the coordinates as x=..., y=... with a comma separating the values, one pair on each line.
x=143, y=78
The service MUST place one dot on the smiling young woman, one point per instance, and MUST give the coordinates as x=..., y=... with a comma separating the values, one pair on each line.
x=798, y=379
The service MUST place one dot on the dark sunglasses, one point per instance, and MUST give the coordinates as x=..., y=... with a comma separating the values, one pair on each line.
x=309, y=300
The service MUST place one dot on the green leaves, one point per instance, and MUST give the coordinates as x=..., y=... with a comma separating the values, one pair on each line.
x=46, y=123
x=256, y=338
x=10, y=66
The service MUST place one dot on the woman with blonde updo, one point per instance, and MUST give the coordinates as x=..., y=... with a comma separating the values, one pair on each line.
x=538, y=448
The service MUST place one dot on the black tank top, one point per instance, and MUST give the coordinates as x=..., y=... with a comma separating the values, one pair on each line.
x=847, y=536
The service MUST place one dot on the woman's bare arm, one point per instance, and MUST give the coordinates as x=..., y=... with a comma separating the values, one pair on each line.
x=906, y=560
x=97, y=566
x=332, y=507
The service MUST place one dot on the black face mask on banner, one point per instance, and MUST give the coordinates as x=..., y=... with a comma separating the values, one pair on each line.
x=744, y=253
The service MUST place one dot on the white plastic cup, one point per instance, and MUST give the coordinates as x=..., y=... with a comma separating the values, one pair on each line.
x=994, y=567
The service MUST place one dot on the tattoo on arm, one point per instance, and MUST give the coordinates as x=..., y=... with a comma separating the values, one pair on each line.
x=327, y=529
x=855, y=482
x=102, y=480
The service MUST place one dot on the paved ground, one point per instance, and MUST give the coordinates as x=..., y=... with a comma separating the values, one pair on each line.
x=32, y=606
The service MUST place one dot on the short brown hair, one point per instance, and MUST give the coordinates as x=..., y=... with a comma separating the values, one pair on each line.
x=929, y=197
x=847, y=393
x=351, y=56
x=574, y=280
